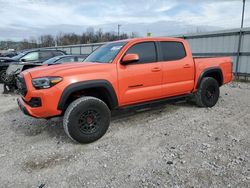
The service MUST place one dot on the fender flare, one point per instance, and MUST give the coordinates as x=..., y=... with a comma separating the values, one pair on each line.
x=78, y=86
x=208, y=71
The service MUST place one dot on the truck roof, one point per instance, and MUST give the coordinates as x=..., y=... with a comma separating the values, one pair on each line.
x=152, y=39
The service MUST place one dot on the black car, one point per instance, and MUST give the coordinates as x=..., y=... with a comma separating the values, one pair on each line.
x=26, y=59
x=9, y=54
x=14, y=69
x=64, y=59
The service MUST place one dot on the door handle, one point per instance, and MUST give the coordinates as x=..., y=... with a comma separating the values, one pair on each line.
x=186, y=66
x=156, y=69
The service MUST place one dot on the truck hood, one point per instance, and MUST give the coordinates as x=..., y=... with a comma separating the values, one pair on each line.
x=60, y=69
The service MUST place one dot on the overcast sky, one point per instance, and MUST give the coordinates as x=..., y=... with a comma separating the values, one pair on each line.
x=30, y=18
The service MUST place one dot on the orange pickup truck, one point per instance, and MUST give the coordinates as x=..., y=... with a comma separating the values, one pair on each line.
x=122, y=74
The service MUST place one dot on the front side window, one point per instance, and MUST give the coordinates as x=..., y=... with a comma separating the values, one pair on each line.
x=172, y=51
x=105, y=53
x=32, y=56
x=146, y=52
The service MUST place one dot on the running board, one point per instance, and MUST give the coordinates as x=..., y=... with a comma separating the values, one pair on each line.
x=154, y=103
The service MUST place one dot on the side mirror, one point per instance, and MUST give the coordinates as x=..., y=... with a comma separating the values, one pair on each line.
x=23, y=60
x=129, y=58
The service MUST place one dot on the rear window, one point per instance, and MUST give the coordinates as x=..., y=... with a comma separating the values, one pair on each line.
x=172, y=51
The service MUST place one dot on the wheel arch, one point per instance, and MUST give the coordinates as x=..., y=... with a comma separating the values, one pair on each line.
x=108, y=94
x=214, y=72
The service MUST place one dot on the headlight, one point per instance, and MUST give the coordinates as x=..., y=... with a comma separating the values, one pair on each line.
x=46, y=82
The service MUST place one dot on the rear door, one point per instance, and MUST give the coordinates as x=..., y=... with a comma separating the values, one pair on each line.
x=178, y=68
x=140, y=81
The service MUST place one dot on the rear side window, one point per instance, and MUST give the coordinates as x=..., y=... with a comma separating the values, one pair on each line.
x=57, y=53
x=44, y=55
x=145, y=50
x=172, y=51
x=66, y=59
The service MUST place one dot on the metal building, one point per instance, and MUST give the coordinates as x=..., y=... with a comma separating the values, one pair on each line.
x=224, y=43
x=218, y=43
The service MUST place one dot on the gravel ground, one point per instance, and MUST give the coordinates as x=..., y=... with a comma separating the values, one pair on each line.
x=176, y=145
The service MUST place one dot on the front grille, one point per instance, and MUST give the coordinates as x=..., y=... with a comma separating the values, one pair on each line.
x=21, y=85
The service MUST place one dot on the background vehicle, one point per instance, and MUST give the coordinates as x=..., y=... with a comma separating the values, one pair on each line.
x=9, y=54
x=64, y=59
x=124, y=74
x=4, y=63
x=25, y=60
x=10, y=78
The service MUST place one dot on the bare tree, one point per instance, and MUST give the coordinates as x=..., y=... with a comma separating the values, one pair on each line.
x=90, y=36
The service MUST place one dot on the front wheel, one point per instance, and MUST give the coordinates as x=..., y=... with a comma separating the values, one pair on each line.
x=2, y=75
x=208, y=92
x=86, y=119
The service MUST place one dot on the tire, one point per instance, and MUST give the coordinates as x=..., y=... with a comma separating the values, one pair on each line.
x=6, y=79
x=2, y=75
x=86, y=119
x=208, y=92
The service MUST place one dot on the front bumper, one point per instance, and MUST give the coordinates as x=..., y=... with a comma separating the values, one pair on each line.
x=39, y=103
x=37, y=112
x=22, y=107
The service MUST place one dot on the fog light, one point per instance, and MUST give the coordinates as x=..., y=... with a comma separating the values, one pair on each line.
x=35, y=102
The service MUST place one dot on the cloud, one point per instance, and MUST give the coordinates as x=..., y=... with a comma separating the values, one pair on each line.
x=30, y=18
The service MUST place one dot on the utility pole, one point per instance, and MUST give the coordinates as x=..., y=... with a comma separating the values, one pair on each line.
x=240, y=38
x=243, y=13
x=118, y=32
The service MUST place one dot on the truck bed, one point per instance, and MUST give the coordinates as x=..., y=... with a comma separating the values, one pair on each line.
x=225, y=64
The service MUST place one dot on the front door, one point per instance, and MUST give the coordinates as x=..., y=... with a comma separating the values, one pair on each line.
x=140, y=81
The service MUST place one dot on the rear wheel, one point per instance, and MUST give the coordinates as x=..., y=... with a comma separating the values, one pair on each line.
x=86, y=119
x=208, y=92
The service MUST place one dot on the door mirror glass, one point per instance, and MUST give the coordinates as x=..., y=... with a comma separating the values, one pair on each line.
x=130, y=58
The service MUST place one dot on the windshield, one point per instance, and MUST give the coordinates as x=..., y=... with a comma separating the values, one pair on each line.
x=106, y=53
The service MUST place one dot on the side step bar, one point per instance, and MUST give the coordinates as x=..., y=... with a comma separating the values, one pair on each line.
x=153, y=103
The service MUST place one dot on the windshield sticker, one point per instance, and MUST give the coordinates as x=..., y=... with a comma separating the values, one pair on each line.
x=115, y=48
